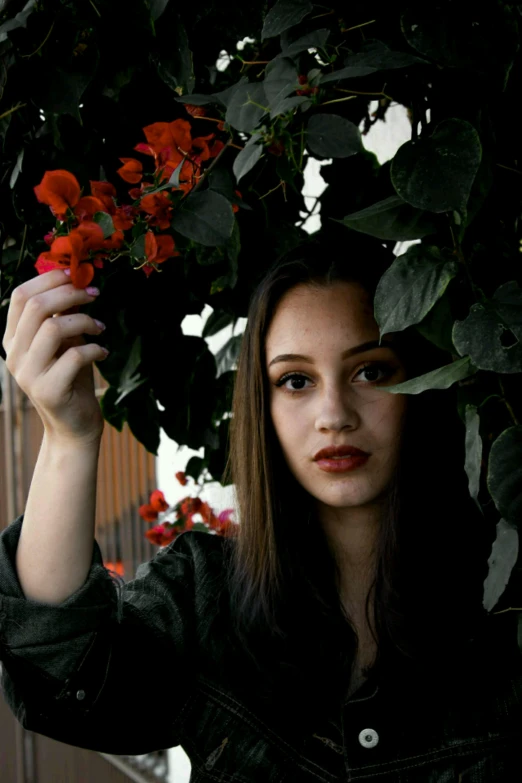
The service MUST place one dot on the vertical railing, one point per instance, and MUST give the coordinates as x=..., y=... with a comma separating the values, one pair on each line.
x=126, y=477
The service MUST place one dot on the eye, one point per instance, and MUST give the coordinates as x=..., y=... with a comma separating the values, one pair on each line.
x=370, y=368
x=376, y=367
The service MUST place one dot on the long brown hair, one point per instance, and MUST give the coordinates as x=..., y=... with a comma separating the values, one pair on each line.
x=282, y=575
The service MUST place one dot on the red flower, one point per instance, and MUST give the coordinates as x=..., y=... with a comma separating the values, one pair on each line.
x=235, y=207
x=181, y=478
x=159, y=207
x=157, y=501
x=106, y=193
x=131, y=171
x=306, y=90
x=161, y=535
x=87, y=207
x=195, y=111
x=148, y=513
x=157, y=249
x=123, y=217
x=60, y=190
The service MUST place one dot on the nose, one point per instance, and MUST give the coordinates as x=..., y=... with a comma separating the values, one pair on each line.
x=336, y=411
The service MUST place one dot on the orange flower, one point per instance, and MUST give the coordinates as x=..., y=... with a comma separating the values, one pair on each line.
x=117, y=567
x=106, y=193
x=157, y=500
x=136, y=193
x=181, y=478
x=159, y=207
x=131, y=171
x=161, y=535
x=235, y=207
x=87, y=207
x=60, y=190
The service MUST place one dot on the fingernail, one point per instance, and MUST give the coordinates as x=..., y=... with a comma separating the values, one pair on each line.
x=67, y=272
x=100, y=324
x=92, y=291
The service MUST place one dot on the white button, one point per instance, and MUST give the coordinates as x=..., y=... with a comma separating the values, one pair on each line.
x=368, y=738
x=80, y=695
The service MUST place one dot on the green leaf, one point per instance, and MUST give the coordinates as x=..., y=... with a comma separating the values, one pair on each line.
x=143, y=421
x=316, y=39
x=217, y=320
x=247, y=106
x=505, y=474
x=195, y=467
x=17, y=169
x=502, y=560
x=436, y=173
x=285, y=14
x=287, y=104
x=174, y=64
x=437, y=325
x=247, y=158
x=331, y=136
x=473, y=444
x=227, y=356
x=374, y=57
x=172, y=183
x=480, y=335
x=484, y=41
x=392, y=218
x=441, y=378
x=137, y=249
x=204, y=217
x=20, y=20
x=115, y=414
x=105, y=221
x=157, y=7
x=410, y=287
x=129, y=378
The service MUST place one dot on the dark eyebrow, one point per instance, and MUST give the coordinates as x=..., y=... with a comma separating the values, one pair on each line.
x=289, y=357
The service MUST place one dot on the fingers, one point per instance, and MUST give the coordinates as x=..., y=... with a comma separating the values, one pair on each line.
x=22, y=293
x=41, y=356
x=65, y=370
x=34, y=313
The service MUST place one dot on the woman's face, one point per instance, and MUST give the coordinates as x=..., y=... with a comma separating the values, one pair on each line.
x=335, y=396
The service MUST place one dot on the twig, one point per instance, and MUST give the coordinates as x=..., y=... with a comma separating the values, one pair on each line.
x=507, y=403
x=90, y=1
x=339, y=100
x=207, y=171
x=508, y=168
x=281, y=182
x=356, y=27
x=10, y=111
x=43, y=42
x=511, y=609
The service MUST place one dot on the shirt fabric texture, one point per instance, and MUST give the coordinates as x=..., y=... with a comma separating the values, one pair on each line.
x=130, y=668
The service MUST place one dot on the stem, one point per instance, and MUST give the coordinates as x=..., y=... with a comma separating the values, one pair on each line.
x=43, y=42
x=271, y=191
x=507, y=404
x=10, y=111
x=462, y=259
x=356, y=27
x=508, y=168
x=338, y=100
x=358, y=92
x=207, y=171
x=90, y=1
x=511, y=609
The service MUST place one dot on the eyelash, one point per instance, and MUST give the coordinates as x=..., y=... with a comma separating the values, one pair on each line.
x=371, y=365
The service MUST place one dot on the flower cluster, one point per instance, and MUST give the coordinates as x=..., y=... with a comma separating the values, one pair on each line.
x=185, y=510
x=91, y=228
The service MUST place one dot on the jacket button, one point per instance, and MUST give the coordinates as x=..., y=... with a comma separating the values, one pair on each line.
x=368, y=738
x=80, y=695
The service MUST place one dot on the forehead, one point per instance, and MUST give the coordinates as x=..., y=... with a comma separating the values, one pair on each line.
x=309, y=313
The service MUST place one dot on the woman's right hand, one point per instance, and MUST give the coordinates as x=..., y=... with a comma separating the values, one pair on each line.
x=49, y=358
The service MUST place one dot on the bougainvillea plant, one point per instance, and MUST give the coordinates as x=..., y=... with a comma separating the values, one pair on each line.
x=223, y=197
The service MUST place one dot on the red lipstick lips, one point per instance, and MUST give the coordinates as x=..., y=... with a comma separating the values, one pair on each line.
x=339, y=459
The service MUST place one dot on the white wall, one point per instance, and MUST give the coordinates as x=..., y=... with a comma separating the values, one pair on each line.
x=384, y=139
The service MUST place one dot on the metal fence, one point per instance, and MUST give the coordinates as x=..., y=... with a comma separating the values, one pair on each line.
x=126, y=477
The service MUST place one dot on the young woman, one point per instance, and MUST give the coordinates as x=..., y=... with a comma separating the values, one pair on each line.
x=340, y=634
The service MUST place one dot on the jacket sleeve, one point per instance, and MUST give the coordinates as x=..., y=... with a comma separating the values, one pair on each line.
x=109, y=669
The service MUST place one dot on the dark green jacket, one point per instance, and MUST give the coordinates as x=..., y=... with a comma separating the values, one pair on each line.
x=128, y=668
